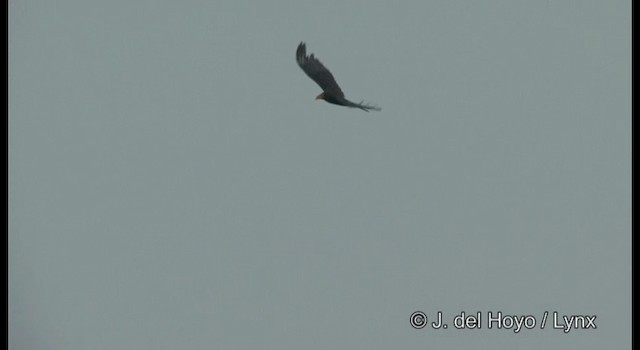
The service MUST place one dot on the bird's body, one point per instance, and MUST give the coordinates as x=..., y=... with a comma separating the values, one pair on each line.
x=323, y=77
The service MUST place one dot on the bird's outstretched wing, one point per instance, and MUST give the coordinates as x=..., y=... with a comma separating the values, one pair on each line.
x=317, y=71
x=363, y=106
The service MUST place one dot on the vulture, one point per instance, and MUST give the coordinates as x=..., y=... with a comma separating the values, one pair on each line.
x=321, y=75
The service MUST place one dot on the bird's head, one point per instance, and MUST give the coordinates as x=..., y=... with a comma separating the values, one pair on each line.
x=320, y=97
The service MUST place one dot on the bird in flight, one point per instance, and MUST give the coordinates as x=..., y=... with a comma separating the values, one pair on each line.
x=321, y=75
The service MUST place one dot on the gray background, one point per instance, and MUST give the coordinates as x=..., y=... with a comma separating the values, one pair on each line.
x=173, y=184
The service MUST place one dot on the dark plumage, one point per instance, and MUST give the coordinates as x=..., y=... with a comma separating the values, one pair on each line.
x=321, y=75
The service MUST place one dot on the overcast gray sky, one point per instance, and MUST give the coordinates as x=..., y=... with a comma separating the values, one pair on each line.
x=173, y=184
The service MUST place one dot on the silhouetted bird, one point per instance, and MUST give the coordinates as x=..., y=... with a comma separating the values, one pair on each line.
x=321, y=75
